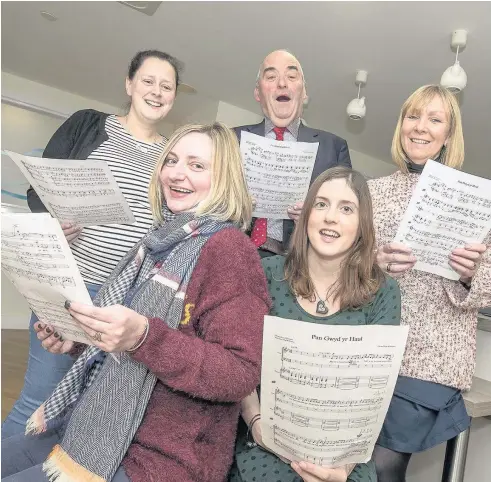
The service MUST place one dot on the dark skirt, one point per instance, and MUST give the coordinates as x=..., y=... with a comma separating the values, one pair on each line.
x=421, y=415
x=257, y=465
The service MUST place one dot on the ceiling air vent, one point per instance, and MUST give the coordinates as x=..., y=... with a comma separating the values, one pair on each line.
x=148, y=8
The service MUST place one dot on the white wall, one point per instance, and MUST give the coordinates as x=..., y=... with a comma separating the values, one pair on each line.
x=370, y=166
x=48, y=97
x=22, y=131
x=234, y=116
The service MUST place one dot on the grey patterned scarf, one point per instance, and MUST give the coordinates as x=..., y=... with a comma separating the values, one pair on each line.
x=107, y=399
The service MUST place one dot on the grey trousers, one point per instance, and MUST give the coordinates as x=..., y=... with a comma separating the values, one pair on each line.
x=23, y=456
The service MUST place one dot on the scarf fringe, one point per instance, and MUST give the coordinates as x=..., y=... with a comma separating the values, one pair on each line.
x=36, y=423
x=60, y=467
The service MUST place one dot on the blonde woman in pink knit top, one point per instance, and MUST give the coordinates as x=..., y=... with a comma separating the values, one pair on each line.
x=427, y=407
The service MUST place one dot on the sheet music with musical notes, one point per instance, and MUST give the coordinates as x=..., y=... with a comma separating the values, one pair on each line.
x=325, y=389
x=448, y=209
x=82, y=192
x=38, y=261
x=277, y=172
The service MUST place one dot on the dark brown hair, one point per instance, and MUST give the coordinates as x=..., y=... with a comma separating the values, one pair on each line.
x=140, y=57
x=360, y=277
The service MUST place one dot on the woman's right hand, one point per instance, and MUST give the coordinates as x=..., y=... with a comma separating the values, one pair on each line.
x=395, y=258
x=257, y=436
x=52, y=340
x=71, y=231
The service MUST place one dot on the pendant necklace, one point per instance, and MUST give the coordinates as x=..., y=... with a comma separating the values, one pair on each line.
x=321, y=307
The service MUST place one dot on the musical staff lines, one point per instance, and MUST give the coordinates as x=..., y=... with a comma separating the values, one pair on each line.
x=317, y=405
x=57, y=316
x=40, y=277
x=114, y=213
x=325, y=360
x=340, y=383
x=307, y=447
x=67, y=177
x=324, y=423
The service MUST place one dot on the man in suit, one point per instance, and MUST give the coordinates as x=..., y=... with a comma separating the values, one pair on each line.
x=280, y=89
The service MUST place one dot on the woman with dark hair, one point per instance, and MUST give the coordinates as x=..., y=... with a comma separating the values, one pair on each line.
x=329, y=276
x=130, y=145
x=427, y=408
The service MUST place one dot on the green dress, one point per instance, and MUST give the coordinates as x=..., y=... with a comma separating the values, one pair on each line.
x=257, y=465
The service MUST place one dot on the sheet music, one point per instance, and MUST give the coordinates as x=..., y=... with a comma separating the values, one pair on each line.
x=83, y=192
x=38, y=261
x=325, y=390
x=448, y=210
x=277, y=172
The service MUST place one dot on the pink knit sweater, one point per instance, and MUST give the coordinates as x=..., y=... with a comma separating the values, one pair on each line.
x=442, y=314
x=204, y=369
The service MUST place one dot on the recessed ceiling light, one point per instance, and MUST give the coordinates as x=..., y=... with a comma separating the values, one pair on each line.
x=48, y=16
x=148, y=8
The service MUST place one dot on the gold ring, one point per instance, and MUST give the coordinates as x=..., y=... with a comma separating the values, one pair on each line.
x=97, y=336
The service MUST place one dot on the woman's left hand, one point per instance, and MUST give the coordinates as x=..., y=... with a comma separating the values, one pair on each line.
x=316, y=473
x=113, y=328
x=465, y=260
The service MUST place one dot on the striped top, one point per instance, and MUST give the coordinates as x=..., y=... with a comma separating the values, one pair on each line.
x=98, y=249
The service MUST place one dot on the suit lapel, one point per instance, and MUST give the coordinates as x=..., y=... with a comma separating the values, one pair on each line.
x=305, y=134
x=257, y=129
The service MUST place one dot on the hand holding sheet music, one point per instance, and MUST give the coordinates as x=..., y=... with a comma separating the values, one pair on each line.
x=449, y=209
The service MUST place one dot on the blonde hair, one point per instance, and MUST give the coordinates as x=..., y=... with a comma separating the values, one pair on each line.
x=228, y=199
x=452, y=154
x=360, y=277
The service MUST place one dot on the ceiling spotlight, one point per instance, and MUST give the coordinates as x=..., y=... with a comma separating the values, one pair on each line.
x=455, y=78
x=48, y=16
x=356, y=108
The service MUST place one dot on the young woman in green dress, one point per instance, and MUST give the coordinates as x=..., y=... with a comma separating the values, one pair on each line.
x=329, y=276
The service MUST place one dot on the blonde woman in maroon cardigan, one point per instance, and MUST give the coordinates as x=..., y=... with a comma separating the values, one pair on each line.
x=183, y=312
x=427, y=407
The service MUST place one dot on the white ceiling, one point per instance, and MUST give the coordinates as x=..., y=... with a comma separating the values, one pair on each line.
x=403, y=45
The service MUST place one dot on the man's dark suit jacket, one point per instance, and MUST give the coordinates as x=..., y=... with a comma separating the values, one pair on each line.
x=333, y=151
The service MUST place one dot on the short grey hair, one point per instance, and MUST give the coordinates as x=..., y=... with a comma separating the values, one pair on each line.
x=258, y=76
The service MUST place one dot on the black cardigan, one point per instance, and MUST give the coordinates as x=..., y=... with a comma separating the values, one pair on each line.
x=76, y=138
